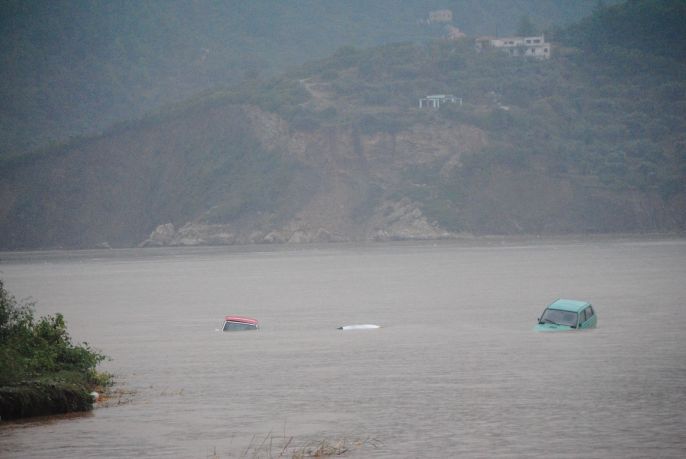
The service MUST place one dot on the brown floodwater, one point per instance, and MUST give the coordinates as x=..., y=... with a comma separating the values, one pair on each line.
x=455, y=371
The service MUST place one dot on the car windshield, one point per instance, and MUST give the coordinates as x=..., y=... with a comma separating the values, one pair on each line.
x=555, y=316
x=236, y=326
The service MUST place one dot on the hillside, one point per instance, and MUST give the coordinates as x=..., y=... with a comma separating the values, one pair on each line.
x=590, y=141
x=71, y=68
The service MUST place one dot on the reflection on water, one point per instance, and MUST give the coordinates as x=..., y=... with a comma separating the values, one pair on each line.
x=455, y=370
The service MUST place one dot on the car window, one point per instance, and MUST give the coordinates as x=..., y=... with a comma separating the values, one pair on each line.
x=559, y=317
x=236, y=326
x=584, y=316
x=589, y=312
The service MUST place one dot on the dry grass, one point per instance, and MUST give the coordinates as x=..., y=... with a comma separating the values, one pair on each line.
x=322, y=449
x=114, y=393
x=288, y=447
x=115, y=397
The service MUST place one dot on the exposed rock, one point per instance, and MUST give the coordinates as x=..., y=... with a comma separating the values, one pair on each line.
x=392, y=220
x=163, y=235
x=190, y=234
x=202, y=234
x=274, y=237
x=403, y=220
x=324, y=236
x=299, y=237
x=294, y=234
x=255, y=237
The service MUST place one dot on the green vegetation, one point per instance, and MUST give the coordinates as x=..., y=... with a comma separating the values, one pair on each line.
x=71, y=68
x=208, y=165
x=593, y=139
x=651, y=27
x=608, y=110
x=612, y=115
x=41, y=371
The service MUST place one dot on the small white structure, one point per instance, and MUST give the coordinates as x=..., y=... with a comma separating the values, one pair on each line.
x=436, y=100
x=535, y=47
x=440, y=16
x=454, y=33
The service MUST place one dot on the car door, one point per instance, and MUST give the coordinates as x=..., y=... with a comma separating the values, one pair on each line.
x=582, y=319
x=587, y=318
x=591, y=318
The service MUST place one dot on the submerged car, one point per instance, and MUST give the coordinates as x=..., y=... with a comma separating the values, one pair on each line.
x=239, y=323
x=563, y=315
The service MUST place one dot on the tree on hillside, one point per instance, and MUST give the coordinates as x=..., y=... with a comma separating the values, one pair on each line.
x=526, y=28
x=656, y=28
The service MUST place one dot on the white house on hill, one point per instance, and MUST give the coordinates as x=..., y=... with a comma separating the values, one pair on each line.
x=517, y=46
x=435, y=101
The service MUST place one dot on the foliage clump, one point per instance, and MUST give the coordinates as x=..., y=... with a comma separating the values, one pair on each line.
x=41, y=370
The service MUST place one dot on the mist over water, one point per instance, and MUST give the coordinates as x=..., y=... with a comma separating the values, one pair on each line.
x=456, y=370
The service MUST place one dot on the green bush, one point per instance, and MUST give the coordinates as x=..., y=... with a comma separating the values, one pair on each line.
x=41, y=371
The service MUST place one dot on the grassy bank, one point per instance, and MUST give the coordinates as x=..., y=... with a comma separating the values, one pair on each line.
x=41, y=371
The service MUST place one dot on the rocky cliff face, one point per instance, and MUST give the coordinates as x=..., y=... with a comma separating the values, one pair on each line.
x=239, y=175
x=401, y=220
x=356, y=177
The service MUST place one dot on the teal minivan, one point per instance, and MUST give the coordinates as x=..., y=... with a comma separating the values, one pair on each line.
x=563, y=315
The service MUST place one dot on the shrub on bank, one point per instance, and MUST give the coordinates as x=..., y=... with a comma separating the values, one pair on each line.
x=41, y=371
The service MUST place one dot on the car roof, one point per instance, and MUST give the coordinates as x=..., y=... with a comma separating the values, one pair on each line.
x=241, y=319
x=568, y=305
